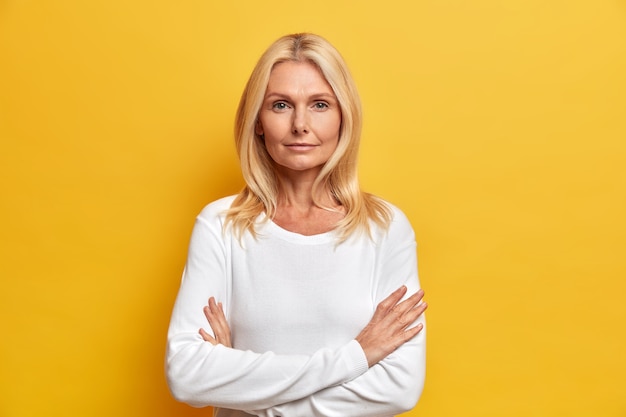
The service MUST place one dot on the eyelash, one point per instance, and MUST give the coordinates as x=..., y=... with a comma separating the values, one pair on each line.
x=281, y=105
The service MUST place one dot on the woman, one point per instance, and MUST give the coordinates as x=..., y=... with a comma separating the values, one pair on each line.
x=307, y=277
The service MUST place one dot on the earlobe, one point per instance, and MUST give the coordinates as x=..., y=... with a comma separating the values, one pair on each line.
x=258, y=128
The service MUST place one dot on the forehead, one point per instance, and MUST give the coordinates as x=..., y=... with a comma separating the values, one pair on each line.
x=297, y=77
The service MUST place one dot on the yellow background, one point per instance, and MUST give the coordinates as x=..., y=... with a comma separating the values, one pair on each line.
x=497, y=126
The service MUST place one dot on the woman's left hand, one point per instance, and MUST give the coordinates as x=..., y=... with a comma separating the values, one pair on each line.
x=214, y=313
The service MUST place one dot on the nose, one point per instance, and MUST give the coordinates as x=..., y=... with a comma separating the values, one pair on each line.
x=300, y=124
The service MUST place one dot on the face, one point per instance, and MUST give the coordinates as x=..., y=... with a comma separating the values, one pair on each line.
x=300, y=118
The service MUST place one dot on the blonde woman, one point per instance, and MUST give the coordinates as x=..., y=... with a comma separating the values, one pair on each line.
x=314, y=306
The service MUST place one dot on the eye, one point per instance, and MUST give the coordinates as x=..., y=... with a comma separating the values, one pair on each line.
x=280, y=106
x=320, y=105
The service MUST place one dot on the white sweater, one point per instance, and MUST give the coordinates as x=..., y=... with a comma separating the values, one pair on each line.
x=295, y=304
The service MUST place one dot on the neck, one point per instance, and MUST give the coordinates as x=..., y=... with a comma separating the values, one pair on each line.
x=296, y=191
x=298, y=211
x=299, y=195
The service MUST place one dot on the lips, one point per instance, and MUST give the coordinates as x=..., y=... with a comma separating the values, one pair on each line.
x=300, y=146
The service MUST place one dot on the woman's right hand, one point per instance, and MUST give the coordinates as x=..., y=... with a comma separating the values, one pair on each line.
x=214, y=312
x=389, y=327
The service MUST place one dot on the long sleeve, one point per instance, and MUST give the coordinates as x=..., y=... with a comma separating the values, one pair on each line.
x=393, y=385
x=202, y=374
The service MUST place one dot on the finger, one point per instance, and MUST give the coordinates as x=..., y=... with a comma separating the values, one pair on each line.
x=383, y=308
x=207, y=312
x=214, y=322
x=227, y=341
x=412, y=304
x=412, y=301
x=404, y=336
x=218, y=316
x=397, y=295
x=217, y=310
x=398, y=313
x=410, y=333
x=217, y=319
x=413, y=314
x=207, y=337
x=406, y=304
x=217, y=313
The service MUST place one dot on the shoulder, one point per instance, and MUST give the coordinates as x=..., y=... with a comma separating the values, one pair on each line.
x=214, y=213
x=398, y=217
x=216, y=208
x=400, y=228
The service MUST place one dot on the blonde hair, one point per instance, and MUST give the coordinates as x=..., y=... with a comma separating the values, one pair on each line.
x=339, y=173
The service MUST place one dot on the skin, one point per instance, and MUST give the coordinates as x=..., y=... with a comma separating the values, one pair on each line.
x=300, y=119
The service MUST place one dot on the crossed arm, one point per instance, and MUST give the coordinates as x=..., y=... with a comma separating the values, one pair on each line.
x=389, y=328
x=379, y=373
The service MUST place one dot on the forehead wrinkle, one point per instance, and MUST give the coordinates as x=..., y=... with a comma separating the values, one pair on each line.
x=298, y=83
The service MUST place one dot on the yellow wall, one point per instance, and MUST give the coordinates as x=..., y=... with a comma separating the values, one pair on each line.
x=498, y=126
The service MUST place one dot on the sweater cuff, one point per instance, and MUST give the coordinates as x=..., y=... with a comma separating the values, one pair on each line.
x=357, y=358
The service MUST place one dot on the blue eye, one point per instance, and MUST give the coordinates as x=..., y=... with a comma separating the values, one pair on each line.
x=321, y=105
x=279, y=105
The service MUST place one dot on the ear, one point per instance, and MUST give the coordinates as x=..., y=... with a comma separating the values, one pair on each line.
x=258, y=128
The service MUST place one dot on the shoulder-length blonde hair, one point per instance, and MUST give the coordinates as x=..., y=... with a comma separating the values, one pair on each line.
x=338, y=176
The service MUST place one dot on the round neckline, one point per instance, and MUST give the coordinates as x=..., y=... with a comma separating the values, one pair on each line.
x=295, y=237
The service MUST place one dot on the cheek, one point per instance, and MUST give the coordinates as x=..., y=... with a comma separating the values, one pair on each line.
x=331, y=128
x=273, y=127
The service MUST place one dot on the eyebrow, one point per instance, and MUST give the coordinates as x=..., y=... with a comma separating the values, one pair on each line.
x=324, y=96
